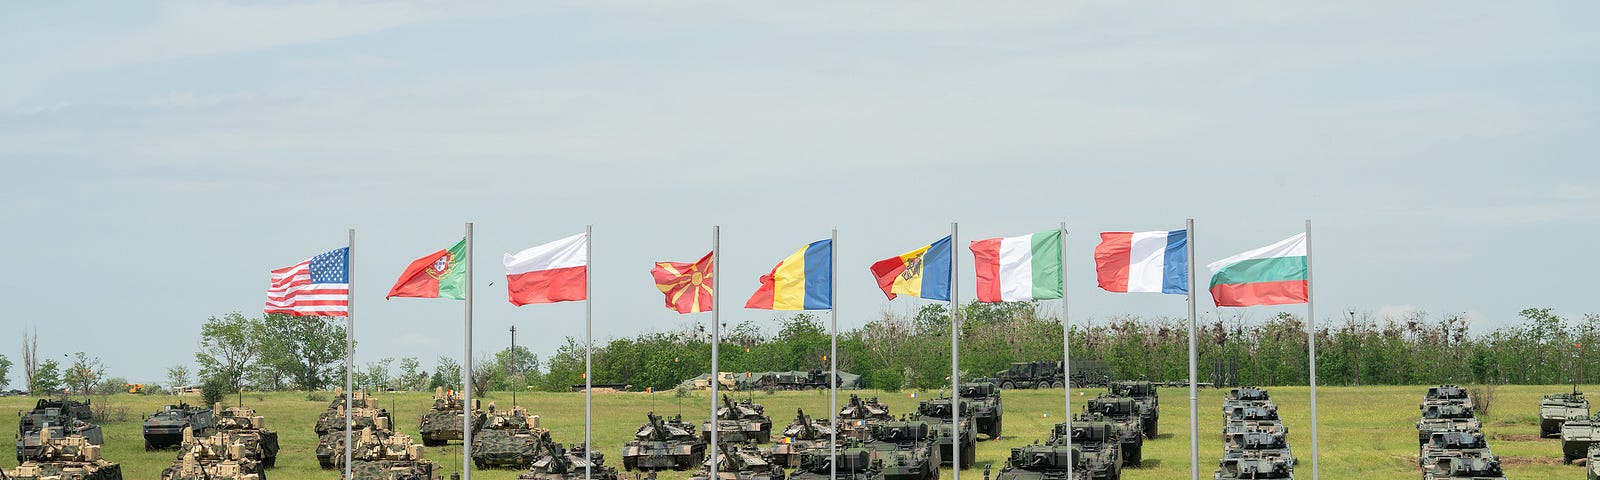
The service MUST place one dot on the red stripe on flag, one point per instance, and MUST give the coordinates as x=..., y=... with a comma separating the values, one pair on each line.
x=415, y=281
x=1263, y=293
x=986, y=260
x=886, y=271
x=1111, y=260
x=548, y=286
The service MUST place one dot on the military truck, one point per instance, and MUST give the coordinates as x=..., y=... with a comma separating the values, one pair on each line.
x=1475, y=468
x=857, y=416
x=559, y=463
x=1041, y=462
x=664, y=443
x=904, y=450
x=443, y=421
x=739, y=422
x=241, y=425
x=1451, y=443
x=1239, y=467
x=1445, y=416
x=509, y=439
x=1555, y=409
x=956, y=442
x=987, y=410
x=1093, y=433
x=1577, y=434
x=1451, y=394
x=69, y=457
x=1149, y=403
x=852, y=464
x=807, y=380
x=199, y=457
x=804, y=433
x=1043, y=374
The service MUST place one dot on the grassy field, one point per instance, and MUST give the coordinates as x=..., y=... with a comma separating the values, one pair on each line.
x=1366, y=432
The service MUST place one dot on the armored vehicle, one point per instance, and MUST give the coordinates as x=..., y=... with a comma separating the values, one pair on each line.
x=55, y=412
x=1577, y=435
x=1119, y=410
x=443, y=422
x=375, y=446
x=30, y=442
x=330, y=447
x=740, y=462
x=241, y=425
x=1446, y=394
x=1240, y=467
x=1438, y=417
x=1149, y=403
x=1451, y=443
x=1245, y=396
x=853, y=464
x=395, y=470
x=56, y=458
x=1092, y=434
x=187, y=468
x=509, y=439
x=904, y=450
x=857, y=415
x=664, y=443
x=1475, y=468
x=1042, y=462
x=739, y=422
x=987, y=410
x=364, y=414
x=1556, y=409
x=1594, y=462
x=955, y=442
x=1259, y=444
x=200, y=458
x=164, y=429
x=558, y=463
x=804, y=433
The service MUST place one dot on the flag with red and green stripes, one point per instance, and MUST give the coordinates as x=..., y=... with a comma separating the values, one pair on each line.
x=1018, y=268
x=1270, y=275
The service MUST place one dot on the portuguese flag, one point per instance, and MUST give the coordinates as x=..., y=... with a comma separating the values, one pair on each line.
x=437, y=275
x=1270, y=275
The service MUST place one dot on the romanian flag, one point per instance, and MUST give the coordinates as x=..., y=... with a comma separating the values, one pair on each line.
x=924, y=272
x=688, y=286
x=804, y=281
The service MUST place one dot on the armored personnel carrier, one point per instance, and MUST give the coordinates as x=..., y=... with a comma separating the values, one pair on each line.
x=853, y=464
x=1120, y=411
x=1445, y=416
x=330, y=447
x=70, y=457
x=444, y=421
x=1042, y=462
x=396, y=470
x=1239, y=467
x=987, y=410
x=903, y=450
x=28, y=443
x=365, y=413
x=958, y=444
x=804, y=433
x=1149, y=403
x=509, y=439
x=164, y=429
x=1475, y=468
x=1577, y=435
x=1594, y=462
x=241, y=425
x=857, y=416
x=1555, y=409
x=188, y=469
x=664, y=443
x=213, y=456
x=1450, y=394
x=740, y=462
x=381, y=455
x=1451, y=443
x=55, y=412
x=558, y=463
x=739, y=422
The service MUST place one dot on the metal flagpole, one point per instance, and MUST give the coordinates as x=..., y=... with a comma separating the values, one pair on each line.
x=1066, y=349
x=955, y=361
x=588, y=349
x=466, y=379
x=716, y=338
x=833, y=351
x=349, y=346
x=1311, y=345
x=1194, y=392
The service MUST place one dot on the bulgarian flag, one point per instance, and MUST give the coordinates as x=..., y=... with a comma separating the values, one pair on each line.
x=1018, y=268
x=436, y=275
x=1270, y=275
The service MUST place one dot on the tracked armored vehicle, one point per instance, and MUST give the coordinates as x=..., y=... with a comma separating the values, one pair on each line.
x=664, y=444
x=958, y=444
x=1475, y=468
x=559, y=463
x=904, y=450
x=1577, y=435
x=857, y=416
x=1445, y=416
x=739, y=422
x=509, y=439
x=1594, y=462
x=55, y=412
x=1123, y=413
x=56, y=458
x=1042, y=462
x=803, y=434
x=740, y=462
x=29, y=443
x=987, y=410
x=164, y=429
x=188, y=469
x=365, y=413
x=1451, y=443
x=378, y=451
x=1555, y=409
x=213, y=456
x=330, y=447
x=1240, y=468
x=443, y=421
x=853, y=464
x=1124, y=437
x=1144, y=393
x=241, y=425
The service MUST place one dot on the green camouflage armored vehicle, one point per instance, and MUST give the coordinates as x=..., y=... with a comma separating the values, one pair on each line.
x=1445, y=416
x=740, y=462
x=1451, y=443
x=330, y=447
x=853, y=464
x=1253, y=418
x=1237, y=467
x=1122, y=411
x=664, y=443
x=1450, y=394
x=1577, y=434
x=804, y=433
x=955, y=442
x=55, y=412
x=241, y=425
x=1475, y=468
x=1555, y=409
x=857, y=416
x=987, y=410
x=213, y=456
x=395, y=470
x=1594, y=462
x=164, y=429
x=443, y=422
x=1098, y=438
x=1243, y=396
x=903, y=450
x=509, y=439
x=364, y=415
x=1149, y=403
x=739, y=422
x=1042, y=462
x=61, y=458
x=1259, y=444
x=558, y=463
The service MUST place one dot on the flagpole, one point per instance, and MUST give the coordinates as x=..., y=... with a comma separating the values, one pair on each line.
x=1066, y=349
x=588, y=349
x=466, y=380
x=1194, y=391
x=716, y=337
x=1311, y=346
x=349, y=347
x=955, y=360
x=833, y=349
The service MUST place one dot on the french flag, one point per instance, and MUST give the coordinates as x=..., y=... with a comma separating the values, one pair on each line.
x=1143, y=262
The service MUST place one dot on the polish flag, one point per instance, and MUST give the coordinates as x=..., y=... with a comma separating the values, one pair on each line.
x=554, y=272
x=1143, y=262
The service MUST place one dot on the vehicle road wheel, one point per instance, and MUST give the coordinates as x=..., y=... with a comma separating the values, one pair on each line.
x=1057, y=384
x=1043, y=385
x=1007, y=385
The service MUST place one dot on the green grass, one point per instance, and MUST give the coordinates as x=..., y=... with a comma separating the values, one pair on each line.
x=1366, y=432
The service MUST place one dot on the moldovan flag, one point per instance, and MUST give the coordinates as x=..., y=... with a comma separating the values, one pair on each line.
x=688, y=286
x=436, y=275
x=1143, y=262
x=1018, y=268
x=803, y=281
x=554, y=272
x=1270, y=275
x=924, y=272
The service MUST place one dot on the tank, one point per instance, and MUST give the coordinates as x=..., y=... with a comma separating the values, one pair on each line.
x=1231, y=468
x=509, y=439
x=213, y=456
x=243, y=426
x=1123, y=413
x=987, y=410
x=70, y=457
x=740, y=462
x=1475, y=468
x=330, y=447
x=364, y=415
x=1577, y=435
x=852, y=464
x=804, y=433
x=857, y=415
x=1144, y=393
x=443, y=422
x=956, y=443
x=1089, y=428
x=662, y=444
x=903, y=450
x=1451, y=443
x=739, y=422
x=558, y=463
x=1451, y=394
x=1445, y=416
x=1555, y=409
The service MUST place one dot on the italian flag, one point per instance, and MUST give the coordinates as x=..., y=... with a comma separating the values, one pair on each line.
x=1270, y=275
x=1018, y=268
x=435, y=275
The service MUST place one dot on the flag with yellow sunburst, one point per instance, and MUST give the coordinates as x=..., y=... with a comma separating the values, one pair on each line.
x=686, y=285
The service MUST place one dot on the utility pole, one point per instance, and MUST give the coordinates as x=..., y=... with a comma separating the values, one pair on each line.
x=513, y=338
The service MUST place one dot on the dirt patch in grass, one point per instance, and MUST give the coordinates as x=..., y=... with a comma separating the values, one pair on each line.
x=1522, y=461
x=1518, y=437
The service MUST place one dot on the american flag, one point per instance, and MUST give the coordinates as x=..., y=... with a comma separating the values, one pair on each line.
x=318, y=286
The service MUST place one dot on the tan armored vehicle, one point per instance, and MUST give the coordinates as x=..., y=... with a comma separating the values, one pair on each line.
x=71, y=457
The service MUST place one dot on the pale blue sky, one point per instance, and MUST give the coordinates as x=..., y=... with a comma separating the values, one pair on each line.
x=161, y=157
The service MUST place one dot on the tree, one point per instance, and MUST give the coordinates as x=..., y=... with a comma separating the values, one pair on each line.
x=228, y=346
x=46, y=379
x=377, y=375
x=178, y=376
x=30, y=358
x=518, y=368
x=5, y=371
x=308, y=349
x=447, y=374
x=84, y=374
x=412, y=377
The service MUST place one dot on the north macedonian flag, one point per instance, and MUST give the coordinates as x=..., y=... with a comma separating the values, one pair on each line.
x=688, y=286
x=803, y=281
x=437, y=275
x=924, y=272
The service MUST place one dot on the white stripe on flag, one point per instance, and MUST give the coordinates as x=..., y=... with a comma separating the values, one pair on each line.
x=1147, y=261
x=1016, y=268
x=564, y=253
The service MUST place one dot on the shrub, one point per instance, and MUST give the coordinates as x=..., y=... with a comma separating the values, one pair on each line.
x=316, y=396
x=1482, y=399
x=213, y=389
